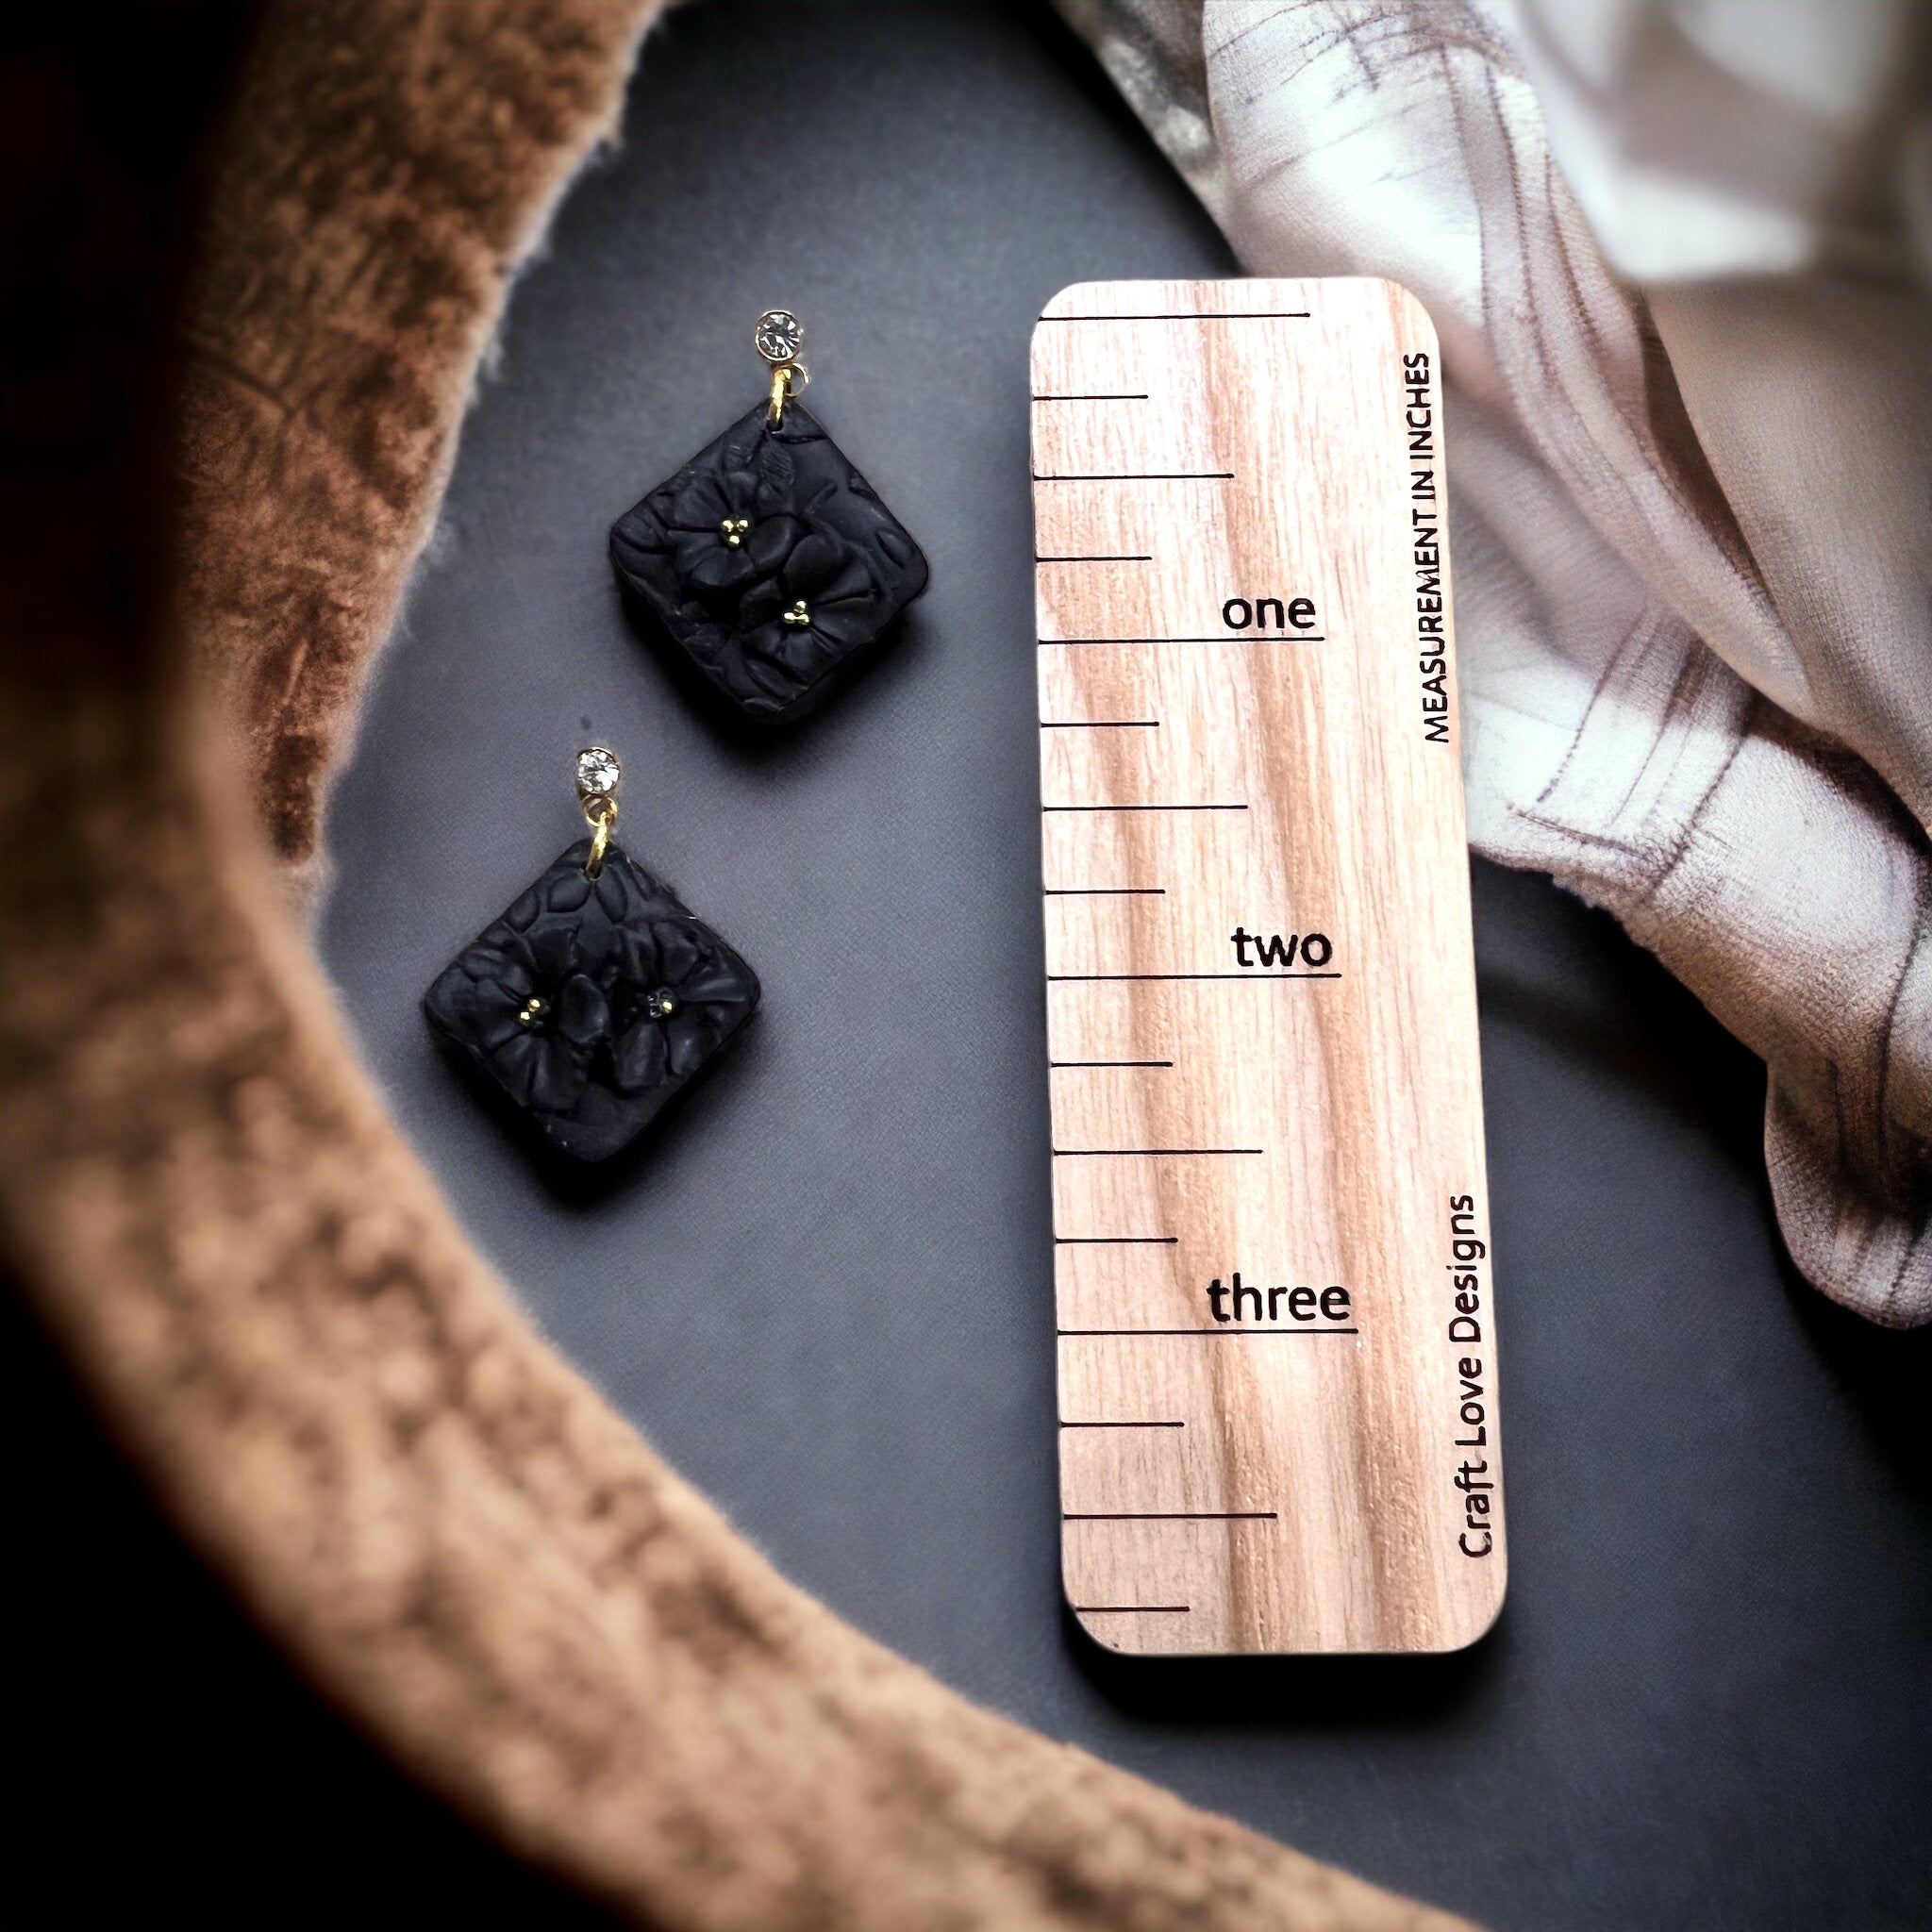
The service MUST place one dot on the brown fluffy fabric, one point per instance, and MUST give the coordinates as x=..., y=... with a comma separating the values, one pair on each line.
x=262, y=1291
x=391, y=167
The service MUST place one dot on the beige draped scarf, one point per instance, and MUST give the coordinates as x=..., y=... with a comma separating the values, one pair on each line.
x=1678, y=251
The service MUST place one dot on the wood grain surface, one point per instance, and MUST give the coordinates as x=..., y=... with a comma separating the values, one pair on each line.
x=1278, y=1423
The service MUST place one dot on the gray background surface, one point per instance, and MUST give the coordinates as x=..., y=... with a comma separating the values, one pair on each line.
x=827, y=1296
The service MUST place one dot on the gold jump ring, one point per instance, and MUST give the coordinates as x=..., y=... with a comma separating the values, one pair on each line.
x=602, y=813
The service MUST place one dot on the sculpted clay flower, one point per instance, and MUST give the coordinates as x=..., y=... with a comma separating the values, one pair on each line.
x=677, y=999
x=536, y=1017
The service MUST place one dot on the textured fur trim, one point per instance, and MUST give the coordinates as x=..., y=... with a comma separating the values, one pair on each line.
x=386, y=170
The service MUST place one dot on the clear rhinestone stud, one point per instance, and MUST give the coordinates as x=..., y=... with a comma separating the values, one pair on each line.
x=598, y=772
x=779, y=336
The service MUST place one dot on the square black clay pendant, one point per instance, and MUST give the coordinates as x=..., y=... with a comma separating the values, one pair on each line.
x=593, y=1003
x=768, y=562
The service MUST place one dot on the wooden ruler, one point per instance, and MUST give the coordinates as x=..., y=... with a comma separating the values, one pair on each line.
x=1277, y=1364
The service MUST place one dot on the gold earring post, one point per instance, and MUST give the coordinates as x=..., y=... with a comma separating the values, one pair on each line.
x=778, y=337
x=599, y=773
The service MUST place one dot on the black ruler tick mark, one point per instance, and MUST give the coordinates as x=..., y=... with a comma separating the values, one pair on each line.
x=1207, y=1331
x=1138, y=1152
x=1088, y=978
x=1168, y=1516
x=1195, y=315
x=1297, y=637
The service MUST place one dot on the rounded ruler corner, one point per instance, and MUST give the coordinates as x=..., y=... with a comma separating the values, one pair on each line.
x=1276, y=1332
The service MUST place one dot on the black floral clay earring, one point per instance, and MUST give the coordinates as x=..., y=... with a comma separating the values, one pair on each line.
x=597, y=997
x=768, y=560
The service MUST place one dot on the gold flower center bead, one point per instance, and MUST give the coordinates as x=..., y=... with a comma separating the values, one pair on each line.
x=734, y=530
x=528, y=1011
x=798, y=613
x=661, y=1004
